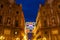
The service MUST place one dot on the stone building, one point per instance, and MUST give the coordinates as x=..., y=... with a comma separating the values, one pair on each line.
x=48, y=21
x=12, y=21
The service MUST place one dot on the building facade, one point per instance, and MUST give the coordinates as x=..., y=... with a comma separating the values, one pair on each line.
x=12, y=21
x=48, y=21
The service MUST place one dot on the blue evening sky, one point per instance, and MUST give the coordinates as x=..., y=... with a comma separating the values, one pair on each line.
x=30, y=8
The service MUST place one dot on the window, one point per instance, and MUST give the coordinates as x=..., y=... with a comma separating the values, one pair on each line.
x=59, y=6
x=45, y=32
x=16, y=23
x=44, y=12
x=10, y=10
x=37, y=31
x=58, y=14
x=45, y=23
x=17, y=12
x=10, y=6
x=1, y=5
x=53, y=20
x=0, y=19
x=8, y=20
x=27, y=25
x=30, y=30
x=33, y=25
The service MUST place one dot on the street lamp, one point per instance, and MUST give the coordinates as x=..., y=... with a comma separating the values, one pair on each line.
x=2, y=37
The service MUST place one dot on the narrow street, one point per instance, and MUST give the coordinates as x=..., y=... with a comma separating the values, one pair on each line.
x=29, y=19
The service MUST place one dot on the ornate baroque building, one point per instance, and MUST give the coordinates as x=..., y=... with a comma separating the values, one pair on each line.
x=12, y=21
x=48, y=21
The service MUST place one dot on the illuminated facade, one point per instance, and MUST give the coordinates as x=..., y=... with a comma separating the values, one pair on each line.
x=12, y=21
x=48, y=21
